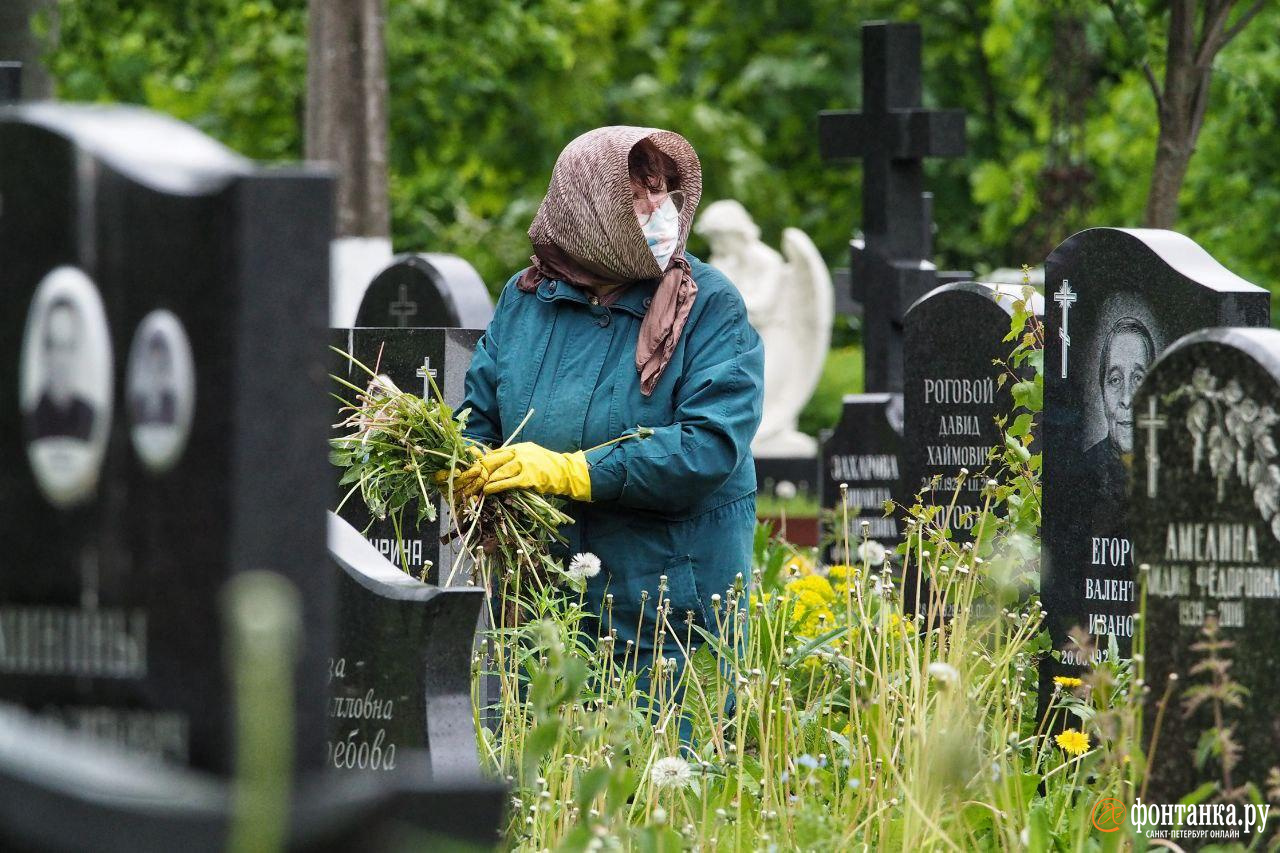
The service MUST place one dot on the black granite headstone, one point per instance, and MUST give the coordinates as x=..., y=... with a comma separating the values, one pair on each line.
x=952, y=395
x=426, y=290
x=1115, y=298
x=862, y=454
x=400, y=677
x=164, y=327
x=1206, y=529
x=159, y=336
x=892, y=265
x=412, y=359
x=954, y=336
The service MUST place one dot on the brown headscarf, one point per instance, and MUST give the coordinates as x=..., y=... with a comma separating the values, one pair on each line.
x=586, y=233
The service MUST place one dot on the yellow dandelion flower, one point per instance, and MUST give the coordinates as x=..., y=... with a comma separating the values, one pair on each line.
x=840, y=577
x=1066, y=681
x=797, y=566
x=1073, y=742
x=811, y=587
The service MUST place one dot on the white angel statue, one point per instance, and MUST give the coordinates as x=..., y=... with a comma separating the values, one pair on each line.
x=790, y=303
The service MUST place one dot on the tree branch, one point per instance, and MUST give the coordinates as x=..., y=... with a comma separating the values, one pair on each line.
x=1242, y=22
x=1146, y=63
x=1215, y=20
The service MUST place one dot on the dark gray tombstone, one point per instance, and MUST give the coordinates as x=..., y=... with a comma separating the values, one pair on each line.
x=892, y=265
x=426, y=290
x=1206, y=529
x=10, y=82
x=1115, y=299
x=412, y=359
x=862, y=454
x=954, y=336
x=160, y=341
x=163, y=339
x=952, y=395
x=401, y=672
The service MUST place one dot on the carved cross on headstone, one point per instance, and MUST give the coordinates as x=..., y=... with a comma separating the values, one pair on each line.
x=893, y=134
x=403, y=308
x=427, y=374
x=1065, y=297
x=1152, y=422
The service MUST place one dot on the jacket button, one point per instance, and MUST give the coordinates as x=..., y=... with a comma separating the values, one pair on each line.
x=603, y=321
x=552, y=288
x=594, y=300
x=648, y=300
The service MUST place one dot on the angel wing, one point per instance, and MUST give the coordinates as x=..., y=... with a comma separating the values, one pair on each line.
x=812, y=302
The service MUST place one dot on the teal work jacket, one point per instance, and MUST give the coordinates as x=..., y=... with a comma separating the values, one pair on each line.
x=679, y=503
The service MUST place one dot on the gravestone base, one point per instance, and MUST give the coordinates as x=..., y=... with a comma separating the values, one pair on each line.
x=863, y=453
x=786, y=477
x=66, y=792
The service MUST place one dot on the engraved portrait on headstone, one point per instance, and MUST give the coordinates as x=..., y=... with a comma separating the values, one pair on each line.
x=160, y=388
x=65, y=386
x=1119, y=358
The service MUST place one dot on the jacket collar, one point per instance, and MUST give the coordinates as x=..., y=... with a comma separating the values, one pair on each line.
x=634, y=300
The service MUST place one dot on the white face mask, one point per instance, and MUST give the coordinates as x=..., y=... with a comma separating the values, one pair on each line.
x=662, y=232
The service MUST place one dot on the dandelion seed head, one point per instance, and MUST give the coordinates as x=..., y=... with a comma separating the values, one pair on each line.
x=671, y=772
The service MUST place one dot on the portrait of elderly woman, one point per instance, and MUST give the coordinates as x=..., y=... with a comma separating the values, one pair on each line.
x=1127, y=350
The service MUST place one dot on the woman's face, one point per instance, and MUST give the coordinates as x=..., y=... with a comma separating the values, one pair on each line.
x=1126, y=366
x=646, y=200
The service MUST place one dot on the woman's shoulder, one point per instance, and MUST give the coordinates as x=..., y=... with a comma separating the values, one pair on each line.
x=714, y=287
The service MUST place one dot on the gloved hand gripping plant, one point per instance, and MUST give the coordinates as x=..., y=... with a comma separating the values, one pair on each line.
x=401, y=449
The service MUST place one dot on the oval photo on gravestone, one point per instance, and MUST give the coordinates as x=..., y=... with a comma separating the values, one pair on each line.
x=1206, y=527
x=160, y=389
x=65, y=386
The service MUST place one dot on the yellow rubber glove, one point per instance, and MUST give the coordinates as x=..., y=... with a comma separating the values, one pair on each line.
x=530, y=466
x=469, y=481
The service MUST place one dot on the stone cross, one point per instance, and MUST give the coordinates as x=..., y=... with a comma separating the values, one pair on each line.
x=1065, y=297
x=427, y=374
x=10, y=82
x=403, y=308
x=893, y=134
x=1152, y=422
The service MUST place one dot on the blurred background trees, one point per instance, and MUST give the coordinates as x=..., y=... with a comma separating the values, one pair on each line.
x=483, y=95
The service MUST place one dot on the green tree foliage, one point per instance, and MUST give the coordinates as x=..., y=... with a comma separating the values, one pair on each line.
x=485, y=93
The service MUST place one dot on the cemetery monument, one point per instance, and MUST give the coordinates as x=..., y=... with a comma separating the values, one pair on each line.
x=1206, y=532
x=891, y=265
x=1115, y=300
x=789, y=302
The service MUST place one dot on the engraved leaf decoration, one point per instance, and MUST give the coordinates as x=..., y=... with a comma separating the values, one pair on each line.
x=1197, y=424
x=1275, y=526
x=1266, y=495
x=1221, y=452
x=1203, y=380
x=1256, y=471
x=1221, y=457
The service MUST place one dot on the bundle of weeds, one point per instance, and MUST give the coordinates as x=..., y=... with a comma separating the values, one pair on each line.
x=397, y=443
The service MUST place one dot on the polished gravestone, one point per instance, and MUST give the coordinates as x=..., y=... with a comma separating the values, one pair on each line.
x=892, y=265
x=426, y=290
x=159, y=338
x=953, y=395
x=400, y=676
x=1115, y=299
x=164, y=345
x=862, y=455
x=1206, y=530
x=413, y=359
